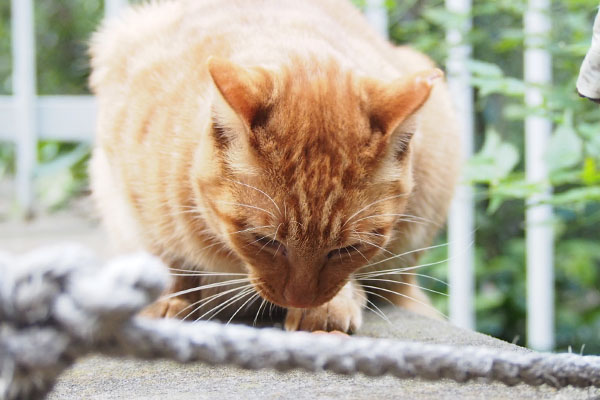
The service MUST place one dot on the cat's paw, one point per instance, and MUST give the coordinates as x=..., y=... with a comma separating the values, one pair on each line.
x=168, y=308
x=342, y=313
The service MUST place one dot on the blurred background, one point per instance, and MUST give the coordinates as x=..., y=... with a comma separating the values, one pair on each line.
x=496, y=171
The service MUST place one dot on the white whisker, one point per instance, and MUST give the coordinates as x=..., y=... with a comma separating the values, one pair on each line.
x=203, y=287
x=375, y=274
x=404, y=254
x=370, y=205
x=406, y=218
x=403, y=283
x=375, y=245
x=251, y=229
x=262, y=303
x=377, y=311
x=407, y=297
x=258, y=190
x=202, y=302
x=254, y=296
x=359, y=252
x=222, y=306
x=249, y=206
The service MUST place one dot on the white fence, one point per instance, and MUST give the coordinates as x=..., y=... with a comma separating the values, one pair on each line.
x=26, y=118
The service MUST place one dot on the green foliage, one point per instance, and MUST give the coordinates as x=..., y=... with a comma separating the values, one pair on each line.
x=5, y=56
x=497, y=170
x=62, y=29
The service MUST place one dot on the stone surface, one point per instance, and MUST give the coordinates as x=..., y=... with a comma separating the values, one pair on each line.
x=101, y=378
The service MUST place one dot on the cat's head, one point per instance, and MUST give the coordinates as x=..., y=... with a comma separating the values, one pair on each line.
x=310, y=171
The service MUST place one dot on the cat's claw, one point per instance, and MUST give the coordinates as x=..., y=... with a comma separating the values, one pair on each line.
x=342, y=313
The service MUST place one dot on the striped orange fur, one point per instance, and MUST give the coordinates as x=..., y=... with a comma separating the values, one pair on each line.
x=280, y=140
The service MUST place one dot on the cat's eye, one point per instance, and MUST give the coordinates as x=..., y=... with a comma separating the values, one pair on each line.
x=270, y=243
x=344, y=251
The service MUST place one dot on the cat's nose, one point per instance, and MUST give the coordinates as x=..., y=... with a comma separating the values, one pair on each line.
x=298, y=297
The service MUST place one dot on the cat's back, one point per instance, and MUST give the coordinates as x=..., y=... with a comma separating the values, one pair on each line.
x=259, y=31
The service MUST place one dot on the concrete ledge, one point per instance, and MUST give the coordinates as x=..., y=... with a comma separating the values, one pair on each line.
x=101, y=378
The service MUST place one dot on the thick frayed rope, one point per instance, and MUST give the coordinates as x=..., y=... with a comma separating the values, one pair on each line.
x=58, y=304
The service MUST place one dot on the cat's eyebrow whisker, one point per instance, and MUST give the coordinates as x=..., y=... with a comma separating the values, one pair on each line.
x=374, y=245
x=404, y=283
x=404, y=254
x=347, y=251
x=369, y=233
x=409, y=298
x=203, y=287
x=277, y=251
x=248, y=206
x=371, y=205
x=181, y=212
x=404, y=219
x=359, y=252
x=272, y=239
x=202, y=302
x=258, y=190
x=251, y=229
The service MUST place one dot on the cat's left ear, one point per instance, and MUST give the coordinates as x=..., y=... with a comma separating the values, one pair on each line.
x=390, y=105
x=246, y=90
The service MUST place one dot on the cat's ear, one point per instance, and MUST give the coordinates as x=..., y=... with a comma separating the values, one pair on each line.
x=246, y=90
x=390, y=105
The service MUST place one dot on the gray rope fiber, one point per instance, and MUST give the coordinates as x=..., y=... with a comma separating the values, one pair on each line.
x=59, y=304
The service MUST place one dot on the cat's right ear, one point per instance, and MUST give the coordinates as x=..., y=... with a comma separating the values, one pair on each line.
x=246, y=90
x=393, y=103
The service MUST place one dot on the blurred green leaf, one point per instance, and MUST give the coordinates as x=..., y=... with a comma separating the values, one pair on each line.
x=566, y=147
x=577, y=195
x=590, y=174
x=494, y=161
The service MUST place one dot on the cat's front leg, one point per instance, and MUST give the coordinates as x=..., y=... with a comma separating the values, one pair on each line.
x=174, y=307
x=166, y=308
x=342, y=313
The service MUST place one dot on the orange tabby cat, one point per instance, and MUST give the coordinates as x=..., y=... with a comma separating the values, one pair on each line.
x=272, y=148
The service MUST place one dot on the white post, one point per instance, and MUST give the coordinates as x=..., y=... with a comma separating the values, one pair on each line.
x=540, y=246
x=24, y=93
x=461, y=220
x=112, y=7
x=376, y=13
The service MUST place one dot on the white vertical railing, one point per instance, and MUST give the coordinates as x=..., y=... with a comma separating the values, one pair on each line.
x=112, y=7
x=24, y=95
x=376, y=14
x=21, y=112
x=539, y=234
x=461, y=218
